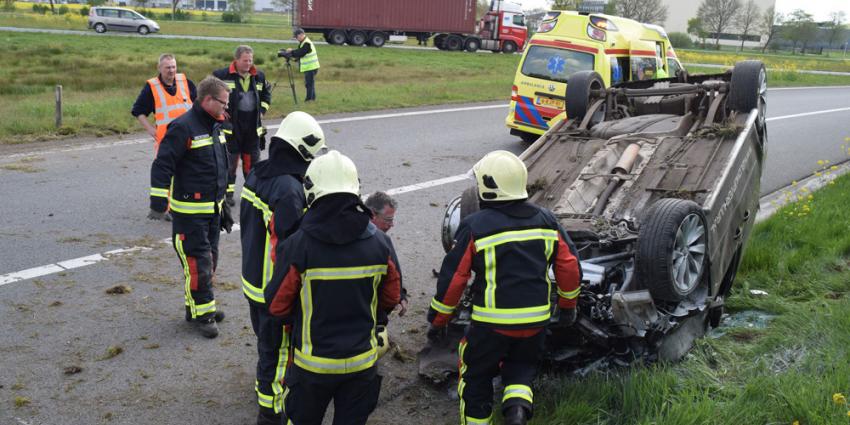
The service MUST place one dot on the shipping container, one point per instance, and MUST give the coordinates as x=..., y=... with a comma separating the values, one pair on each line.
x=429, y=16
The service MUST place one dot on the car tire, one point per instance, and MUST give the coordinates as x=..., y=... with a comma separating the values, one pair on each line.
x=336, y=37
x=457, y=210
x=356, y=38
x=749, y=84
x=472, y=44
x=578, y=94
x=144, y=30
x=377, y=39
x=528, y=138
x=99, y=28
x=672, y=245
x=454, y=43
x=509, y=47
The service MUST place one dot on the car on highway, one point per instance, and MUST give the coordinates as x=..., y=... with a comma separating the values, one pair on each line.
x=657, y=184
x=103, y=19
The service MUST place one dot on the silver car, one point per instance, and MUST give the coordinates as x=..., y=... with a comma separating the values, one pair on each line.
x=102, y=19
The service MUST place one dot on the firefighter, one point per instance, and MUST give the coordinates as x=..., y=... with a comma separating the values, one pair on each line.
x=272, y=204
x=167, y=96
x=308, y=62
x=190, y=174
x=250, y=97
x=331, y=276
x=510, y=245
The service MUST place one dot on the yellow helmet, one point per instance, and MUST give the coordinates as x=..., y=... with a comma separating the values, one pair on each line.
x=301, y=130
x=383, y=341
x=330, y=173
x=501, y=176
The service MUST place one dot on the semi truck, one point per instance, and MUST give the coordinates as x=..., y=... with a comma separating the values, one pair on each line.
x=452, y=23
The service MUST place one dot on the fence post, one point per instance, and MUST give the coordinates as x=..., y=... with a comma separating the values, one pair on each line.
x=58, y=106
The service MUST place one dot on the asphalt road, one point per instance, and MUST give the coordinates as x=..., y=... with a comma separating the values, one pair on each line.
x=69, y=200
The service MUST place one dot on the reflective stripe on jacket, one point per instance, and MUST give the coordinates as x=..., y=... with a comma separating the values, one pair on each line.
x=166, y=106
x=310, y=61
x=511, y=255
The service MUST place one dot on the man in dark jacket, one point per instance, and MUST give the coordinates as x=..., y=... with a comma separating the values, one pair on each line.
x=308, y=62
x=510, y=244
x=271, y=208
x=330, y=278
x=190, y=174
x=250, y=97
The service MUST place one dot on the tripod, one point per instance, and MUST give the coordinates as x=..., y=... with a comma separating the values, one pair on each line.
x=291, y=80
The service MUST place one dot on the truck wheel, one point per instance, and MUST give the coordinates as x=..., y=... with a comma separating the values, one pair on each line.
x=579, y=90
x=356, y=38
x=671, y=249
x=509, y=47
x=336, y=37
x=377, y=39
x=454, y=43
x=472, y=44
x=440, y=41
x=749, y=84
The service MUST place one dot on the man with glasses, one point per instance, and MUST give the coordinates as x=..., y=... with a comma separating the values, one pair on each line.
x=189, y=174
x=383, y=208
x=250, y=97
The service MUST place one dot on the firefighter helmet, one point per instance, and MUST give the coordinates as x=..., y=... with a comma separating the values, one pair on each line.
x=501, y=176
x=301, y=130
x=330, y=173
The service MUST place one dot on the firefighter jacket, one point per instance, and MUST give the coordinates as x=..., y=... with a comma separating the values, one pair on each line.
x=255, y=85
x=190, y=169
x=167, y=107
x=331, y=277
x=272, y=205
x=510, y=247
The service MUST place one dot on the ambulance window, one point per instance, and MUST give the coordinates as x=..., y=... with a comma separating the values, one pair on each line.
x=673, y=66
x=643, y=68
x=619, y=69
x=555, y=64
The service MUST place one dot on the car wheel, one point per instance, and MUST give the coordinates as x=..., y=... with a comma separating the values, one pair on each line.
x=528, y=137
x=749, y=85
x=671, y=249
x=143, y=30
x=473, y=44
x=454, y=43
x=509, y=47
x=579, y=92
x=100, y=28
x=356, y=38
x=377, y=39
x=336, y=37
x=458, y=209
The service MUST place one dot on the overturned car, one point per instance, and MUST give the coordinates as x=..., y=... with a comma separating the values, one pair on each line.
x=657, y=184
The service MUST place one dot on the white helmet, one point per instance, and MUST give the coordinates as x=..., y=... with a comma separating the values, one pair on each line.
x=301, y=130
x=330, y=173
x=501, y=176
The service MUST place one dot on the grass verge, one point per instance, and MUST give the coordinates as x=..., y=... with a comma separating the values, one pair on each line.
x=786, y=373
x=784, y=62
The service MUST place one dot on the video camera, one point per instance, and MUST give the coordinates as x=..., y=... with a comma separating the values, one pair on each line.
x=282, y=53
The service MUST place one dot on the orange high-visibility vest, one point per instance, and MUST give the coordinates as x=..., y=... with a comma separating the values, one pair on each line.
x=168, y=107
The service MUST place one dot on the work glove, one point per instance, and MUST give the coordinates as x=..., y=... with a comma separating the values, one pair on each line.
x=226, y=219
x=156, y=215
x=568, y=317
x=437, y=334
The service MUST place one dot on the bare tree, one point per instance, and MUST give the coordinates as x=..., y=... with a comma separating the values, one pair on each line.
x=649, y=11
x=282, y=4
x=835, y=27
x=717, y=16
x=695, y=28
x=565, y=5
x=746, y=21
x=174, y=5
x=770, y=21
x=800, y=28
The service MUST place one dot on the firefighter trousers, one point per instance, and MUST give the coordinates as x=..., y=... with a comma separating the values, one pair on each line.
x=195, y=239
x=273, y=356
x=355, y=396
x=244, y=146
x=484, y=353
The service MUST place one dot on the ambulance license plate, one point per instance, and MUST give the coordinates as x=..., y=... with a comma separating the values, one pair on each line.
x=549, y=102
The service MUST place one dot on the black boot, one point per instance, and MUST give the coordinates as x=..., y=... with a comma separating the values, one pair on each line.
x=515, y=415
x=267, y=416
x=206, y=325
x=218, y=316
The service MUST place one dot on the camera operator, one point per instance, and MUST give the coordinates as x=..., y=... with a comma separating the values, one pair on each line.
x=308, y=60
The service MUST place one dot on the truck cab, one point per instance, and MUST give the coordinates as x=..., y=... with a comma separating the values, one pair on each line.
x=618, y=49
x=503, y=28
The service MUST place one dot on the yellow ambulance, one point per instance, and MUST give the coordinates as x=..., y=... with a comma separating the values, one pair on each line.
x=618, y=49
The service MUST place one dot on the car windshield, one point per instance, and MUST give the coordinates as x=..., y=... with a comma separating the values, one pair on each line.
x=555, y=64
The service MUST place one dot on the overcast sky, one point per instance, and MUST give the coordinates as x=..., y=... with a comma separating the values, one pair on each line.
x=819, y=8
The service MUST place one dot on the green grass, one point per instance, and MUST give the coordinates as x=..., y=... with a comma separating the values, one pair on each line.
x=784, y=373
x=101, y=77
x=785, y=62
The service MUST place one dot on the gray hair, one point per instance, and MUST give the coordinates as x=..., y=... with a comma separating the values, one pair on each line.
x=379, y=200
x=165, y=56
x=241, y=50
x=211, y=86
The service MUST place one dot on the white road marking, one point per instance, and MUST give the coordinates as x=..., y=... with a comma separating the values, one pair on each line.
x=96, y=258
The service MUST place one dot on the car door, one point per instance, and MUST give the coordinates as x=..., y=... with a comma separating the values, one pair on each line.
x=110, y=18
x=127, y=20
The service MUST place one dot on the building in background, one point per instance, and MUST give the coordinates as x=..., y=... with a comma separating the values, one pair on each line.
x=678, y=13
